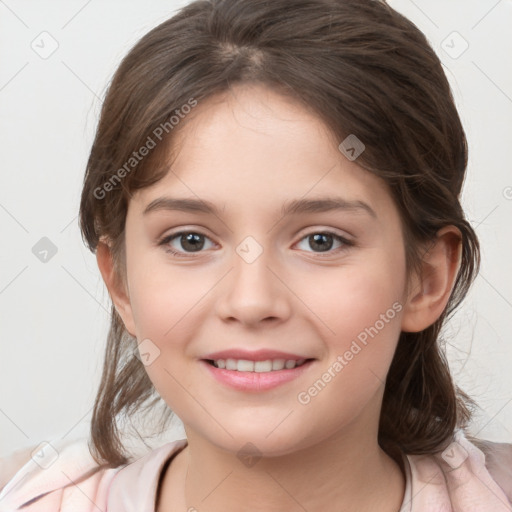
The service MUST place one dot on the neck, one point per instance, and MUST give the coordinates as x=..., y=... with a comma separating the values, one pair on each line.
x=331, y=476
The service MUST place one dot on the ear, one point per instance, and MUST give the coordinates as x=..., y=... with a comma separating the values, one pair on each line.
x=115, y=286
x=430, y=292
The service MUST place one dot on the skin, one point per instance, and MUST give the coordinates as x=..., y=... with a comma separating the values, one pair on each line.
x=250, y=151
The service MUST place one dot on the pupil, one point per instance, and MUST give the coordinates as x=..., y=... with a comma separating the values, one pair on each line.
x=191, y=238
x=317, y=238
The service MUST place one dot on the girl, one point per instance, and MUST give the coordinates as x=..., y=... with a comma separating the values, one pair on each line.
x=273, y=199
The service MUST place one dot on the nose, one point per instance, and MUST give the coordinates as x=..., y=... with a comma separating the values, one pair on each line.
x=254, y=292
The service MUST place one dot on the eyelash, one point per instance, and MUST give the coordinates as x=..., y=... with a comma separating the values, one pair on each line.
x=167, y=239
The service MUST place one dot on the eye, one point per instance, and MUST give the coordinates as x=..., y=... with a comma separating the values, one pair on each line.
x=189, y=240
x=193, y=242
x=323, y=241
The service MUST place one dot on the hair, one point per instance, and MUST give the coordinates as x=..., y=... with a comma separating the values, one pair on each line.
x=363, y=69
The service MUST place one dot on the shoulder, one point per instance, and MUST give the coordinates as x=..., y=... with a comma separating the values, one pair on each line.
x=51, y=473
x=62, y=476
x=498, y=461
x=10, y=464
x=136, y=485
x=469, y=474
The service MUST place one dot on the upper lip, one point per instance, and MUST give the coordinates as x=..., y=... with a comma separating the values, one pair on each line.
x=257, y=355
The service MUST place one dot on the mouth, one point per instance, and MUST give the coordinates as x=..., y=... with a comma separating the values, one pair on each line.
x=256, y=376
x=267, y=366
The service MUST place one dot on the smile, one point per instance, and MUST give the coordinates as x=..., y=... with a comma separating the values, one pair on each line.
x=250, y=379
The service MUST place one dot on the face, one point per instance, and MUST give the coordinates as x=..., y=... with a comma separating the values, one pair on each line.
x=326, y=285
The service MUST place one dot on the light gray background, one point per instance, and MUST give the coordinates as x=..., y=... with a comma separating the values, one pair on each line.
x=54, y=314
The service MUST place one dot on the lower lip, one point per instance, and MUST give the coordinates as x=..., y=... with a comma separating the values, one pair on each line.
x=256, y=381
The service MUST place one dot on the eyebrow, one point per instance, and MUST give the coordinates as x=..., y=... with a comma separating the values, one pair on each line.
x=296, y=206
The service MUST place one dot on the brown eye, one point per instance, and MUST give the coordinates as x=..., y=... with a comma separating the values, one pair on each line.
x=190, y=242
x=323, y=241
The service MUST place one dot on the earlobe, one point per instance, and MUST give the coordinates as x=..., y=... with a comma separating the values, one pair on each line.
x=115, y=287
x=431, y=291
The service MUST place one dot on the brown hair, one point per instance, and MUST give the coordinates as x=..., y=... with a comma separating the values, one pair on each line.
x=364, y=69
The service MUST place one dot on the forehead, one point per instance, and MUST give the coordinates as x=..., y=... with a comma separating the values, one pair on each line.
x=253, y=149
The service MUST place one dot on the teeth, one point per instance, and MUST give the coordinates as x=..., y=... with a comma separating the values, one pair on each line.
x=243, y=365
x=279, y=364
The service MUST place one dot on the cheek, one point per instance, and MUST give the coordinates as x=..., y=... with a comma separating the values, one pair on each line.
x=363, y=313
x=360, y=309
x=356, y=296
x=162, y=296
x=165, y=303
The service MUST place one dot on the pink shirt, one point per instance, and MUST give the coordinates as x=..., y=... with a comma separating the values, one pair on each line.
x=463, y=478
